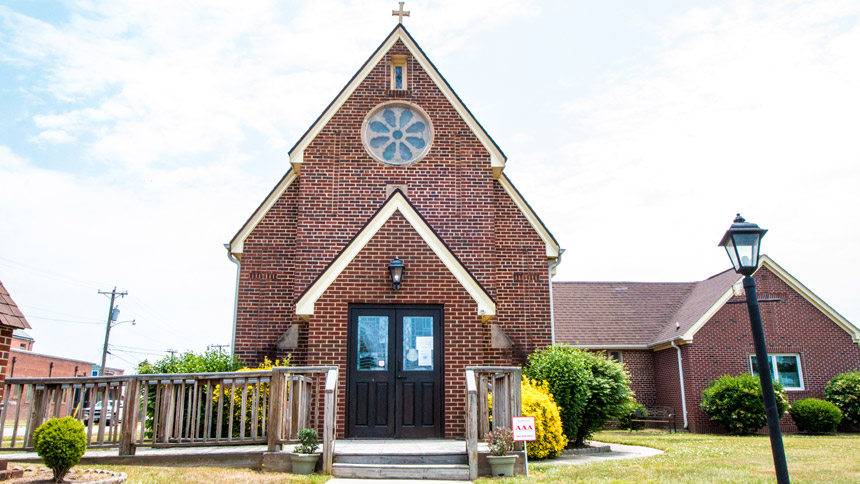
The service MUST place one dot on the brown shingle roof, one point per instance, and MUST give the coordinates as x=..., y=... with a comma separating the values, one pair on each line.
x=632, y=313
x=10, y=315
x=615, y=313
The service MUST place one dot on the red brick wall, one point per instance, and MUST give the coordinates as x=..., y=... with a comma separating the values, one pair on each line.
x=791, y=325
x=667, y=381
x=339, y=189
x=5, y=340
x=640, y=365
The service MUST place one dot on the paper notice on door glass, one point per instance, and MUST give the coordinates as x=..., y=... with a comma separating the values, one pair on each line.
x=424, y=343
x=424, y=358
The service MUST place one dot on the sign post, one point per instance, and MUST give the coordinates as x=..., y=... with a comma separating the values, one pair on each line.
x=524, y=431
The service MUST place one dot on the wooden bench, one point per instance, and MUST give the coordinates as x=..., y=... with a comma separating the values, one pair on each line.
x=655, y=414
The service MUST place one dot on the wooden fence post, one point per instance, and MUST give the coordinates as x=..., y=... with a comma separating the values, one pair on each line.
x=329, y=412
x=130, y=411
x=276, y=409
x=472, y=423
x=37, y=412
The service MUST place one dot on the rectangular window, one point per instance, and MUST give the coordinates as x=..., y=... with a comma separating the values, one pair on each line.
x=784, y=369
x=614, y=355
x=398, y=72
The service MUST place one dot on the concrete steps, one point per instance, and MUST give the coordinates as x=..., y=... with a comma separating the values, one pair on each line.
x=438, y=466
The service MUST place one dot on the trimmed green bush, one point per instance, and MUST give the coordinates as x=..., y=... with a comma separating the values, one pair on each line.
x=736, y=403
x=588, y=388
x=60, y=442
x=309, y=441
x=844, y=392
x=815, y=416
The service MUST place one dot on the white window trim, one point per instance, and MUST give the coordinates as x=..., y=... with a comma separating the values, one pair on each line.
x=776, y=370
x=620, y=355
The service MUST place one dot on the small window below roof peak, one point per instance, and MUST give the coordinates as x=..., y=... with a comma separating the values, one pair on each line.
x=398, y=72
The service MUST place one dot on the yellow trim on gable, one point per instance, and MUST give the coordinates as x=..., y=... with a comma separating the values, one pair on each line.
x=396, y=203
x=497, y=159
x=552, y=248
x=237, y=244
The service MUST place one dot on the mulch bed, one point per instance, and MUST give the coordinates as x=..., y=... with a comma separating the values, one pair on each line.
x=40, y=475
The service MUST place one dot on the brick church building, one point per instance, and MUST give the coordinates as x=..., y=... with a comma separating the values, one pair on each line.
x=397, y=173
x=395, y=170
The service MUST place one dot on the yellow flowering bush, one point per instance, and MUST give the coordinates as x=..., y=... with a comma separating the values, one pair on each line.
x=538, y=403
x=267, y=364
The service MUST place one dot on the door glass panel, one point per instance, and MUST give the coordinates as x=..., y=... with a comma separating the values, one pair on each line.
x=372, y=343
x=418, y=343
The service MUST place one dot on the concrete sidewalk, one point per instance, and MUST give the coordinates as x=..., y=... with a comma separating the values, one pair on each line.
x=618, y=451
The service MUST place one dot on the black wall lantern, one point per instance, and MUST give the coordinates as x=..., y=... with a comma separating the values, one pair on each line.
x=742, y=242
x=395, y=268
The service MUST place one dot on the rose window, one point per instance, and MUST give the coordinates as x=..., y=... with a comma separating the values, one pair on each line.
x=397, y=134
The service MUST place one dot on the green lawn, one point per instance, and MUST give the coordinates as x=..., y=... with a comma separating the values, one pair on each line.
x=688, y=458
x=699, y=458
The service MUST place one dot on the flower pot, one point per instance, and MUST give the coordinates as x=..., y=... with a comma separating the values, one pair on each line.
x=304, y=463
x=502, y=465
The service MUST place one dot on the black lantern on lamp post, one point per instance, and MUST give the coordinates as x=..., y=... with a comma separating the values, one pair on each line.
x=395, y=268
x=742, y=242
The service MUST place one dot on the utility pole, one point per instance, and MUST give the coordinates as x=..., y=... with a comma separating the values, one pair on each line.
x=172, y=352
x=110, y=319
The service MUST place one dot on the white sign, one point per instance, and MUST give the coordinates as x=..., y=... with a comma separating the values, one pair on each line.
x=424, y=342
x=524, y=428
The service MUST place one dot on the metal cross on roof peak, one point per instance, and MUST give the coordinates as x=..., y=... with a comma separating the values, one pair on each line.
x=400, y=13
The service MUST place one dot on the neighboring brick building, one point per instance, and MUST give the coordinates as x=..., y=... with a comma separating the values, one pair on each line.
x=21, y=340
x=705, y=326
x=11, y=319
x=395, y=167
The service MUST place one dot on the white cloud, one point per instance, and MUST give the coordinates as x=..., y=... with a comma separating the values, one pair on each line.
x=53, y=136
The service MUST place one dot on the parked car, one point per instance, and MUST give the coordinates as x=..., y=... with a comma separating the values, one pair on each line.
x=96, y=413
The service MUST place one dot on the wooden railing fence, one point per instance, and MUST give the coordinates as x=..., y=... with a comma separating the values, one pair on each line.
x=173, y=410
x=493, y=396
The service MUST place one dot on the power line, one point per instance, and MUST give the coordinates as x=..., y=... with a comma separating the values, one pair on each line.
x=33, y=269
x=64, y=320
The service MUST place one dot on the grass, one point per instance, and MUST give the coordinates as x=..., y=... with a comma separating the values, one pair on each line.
x=702, y=458
x=205, y=475
x=688, y=458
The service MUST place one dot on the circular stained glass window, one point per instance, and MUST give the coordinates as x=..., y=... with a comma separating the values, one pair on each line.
x=397, y=133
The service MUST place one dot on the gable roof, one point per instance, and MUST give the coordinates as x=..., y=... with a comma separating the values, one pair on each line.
x=10, y=315
x=652, y=314
x=399, y=33
x=552, y=247
x=615, y=314
x=296, y=153
x=397, y=202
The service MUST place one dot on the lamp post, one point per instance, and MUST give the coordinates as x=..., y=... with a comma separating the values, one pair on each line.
x=742, y=242
x=395, y=269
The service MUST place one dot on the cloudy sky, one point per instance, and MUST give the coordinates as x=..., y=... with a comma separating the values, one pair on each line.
x=137, y=137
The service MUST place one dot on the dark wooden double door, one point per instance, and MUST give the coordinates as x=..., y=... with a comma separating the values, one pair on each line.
x=394, y=377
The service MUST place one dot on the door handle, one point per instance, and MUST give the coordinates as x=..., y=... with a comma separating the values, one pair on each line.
x=401, y=376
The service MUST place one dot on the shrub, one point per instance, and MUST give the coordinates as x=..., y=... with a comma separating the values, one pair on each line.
x=815, y=416
x=309, y=441
x=736, y=403
x=500, y=441
x=588, y=388
x=537, y=402
x=844, y=392
x=609, y=397
x=566, y=371
x=60, y=442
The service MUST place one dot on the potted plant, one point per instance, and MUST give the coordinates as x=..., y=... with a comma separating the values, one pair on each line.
x=501, y=441
x=305, y=455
